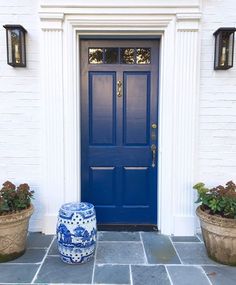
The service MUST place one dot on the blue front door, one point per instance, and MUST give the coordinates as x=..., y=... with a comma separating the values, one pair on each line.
x=119, y=129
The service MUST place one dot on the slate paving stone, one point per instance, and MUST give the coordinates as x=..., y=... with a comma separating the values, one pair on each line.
x=221, y=275
x=120, y=253
x=185, y=275
x=118, y=236
x=159, y=249
x=53, y=249
x=17, y=273
x=38, y=240
x=112, y=274
x=113, y=257
x=31, y=255
x=149, y=275
x=193, y=253
x=185, y=239
x=54, y=270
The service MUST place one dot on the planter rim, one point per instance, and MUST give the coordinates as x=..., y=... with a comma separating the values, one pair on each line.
x=215, y=220
x=17, y=216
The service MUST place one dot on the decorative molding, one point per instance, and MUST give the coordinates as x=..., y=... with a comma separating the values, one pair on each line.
x=72, y=132
x=187, y=22
x=51, y=21
x=178, y=77
x=50, y=16
x=165, y=134
x=185, y=16
x=121, y=4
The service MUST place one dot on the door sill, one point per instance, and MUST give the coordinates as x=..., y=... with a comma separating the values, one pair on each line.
x=127, y=228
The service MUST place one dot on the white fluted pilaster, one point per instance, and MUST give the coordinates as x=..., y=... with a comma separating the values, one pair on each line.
x=53, y=123
x=185, y=104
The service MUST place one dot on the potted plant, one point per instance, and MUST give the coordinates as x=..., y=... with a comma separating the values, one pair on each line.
x=217, y=214
x=15, y=212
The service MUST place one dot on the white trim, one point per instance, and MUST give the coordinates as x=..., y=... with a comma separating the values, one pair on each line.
x=121, y=4
x=165, y=135
x=187, y=17
x=172, y=220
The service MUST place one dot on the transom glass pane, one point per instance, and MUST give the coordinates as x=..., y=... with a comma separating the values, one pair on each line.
x=143, y=56
x=111, y=55
x=127, y=55
x=96, y=55
x=119, y=55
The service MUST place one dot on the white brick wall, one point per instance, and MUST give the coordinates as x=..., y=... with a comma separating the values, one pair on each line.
x=217, y=136
x=20, y=103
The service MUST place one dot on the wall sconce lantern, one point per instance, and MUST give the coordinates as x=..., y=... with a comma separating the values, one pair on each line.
x=16, y=51
x=224, y=48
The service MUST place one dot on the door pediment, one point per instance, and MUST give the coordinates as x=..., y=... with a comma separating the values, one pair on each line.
x=122, y=7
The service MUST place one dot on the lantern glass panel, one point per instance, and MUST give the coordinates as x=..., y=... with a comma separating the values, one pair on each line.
x=22, y=48
x=217, y=49
x=9, y=47
x=230, y=50
x=16, y=47
x=224, y=50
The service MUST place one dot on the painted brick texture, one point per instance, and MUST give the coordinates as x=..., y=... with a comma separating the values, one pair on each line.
x=20, y=103
x=217, y=134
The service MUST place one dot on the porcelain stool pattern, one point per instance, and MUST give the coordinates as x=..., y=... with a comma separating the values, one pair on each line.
x=76, y=232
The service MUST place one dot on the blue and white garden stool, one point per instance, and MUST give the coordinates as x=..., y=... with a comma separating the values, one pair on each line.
x=76, y=232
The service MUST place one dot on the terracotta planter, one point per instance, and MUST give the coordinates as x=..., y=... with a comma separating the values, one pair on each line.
x=219, y=236
x=13, y=234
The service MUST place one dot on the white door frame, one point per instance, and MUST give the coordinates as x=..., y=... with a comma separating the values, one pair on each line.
x=61, y=25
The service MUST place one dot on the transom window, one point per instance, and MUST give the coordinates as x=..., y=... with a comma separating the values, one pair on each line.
x=120, y=55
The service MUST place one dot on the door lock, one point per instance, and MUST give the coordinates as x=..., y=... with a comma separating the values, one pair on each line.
x=153, y=133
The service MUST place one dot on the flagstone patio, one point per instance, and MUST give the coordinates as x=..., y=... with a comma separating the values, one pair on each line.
x=136, y=258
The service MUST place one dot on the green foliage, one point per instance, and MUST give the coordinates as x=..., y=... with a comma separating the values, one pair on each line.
x=14, y=199
x=220, y=200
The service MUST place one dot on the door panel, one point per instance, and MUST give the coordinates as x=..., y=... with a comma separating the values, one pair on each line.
x=102, y=186
x=136, y=108
x=135, y=180
x=102, y=108
x=119, y=171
